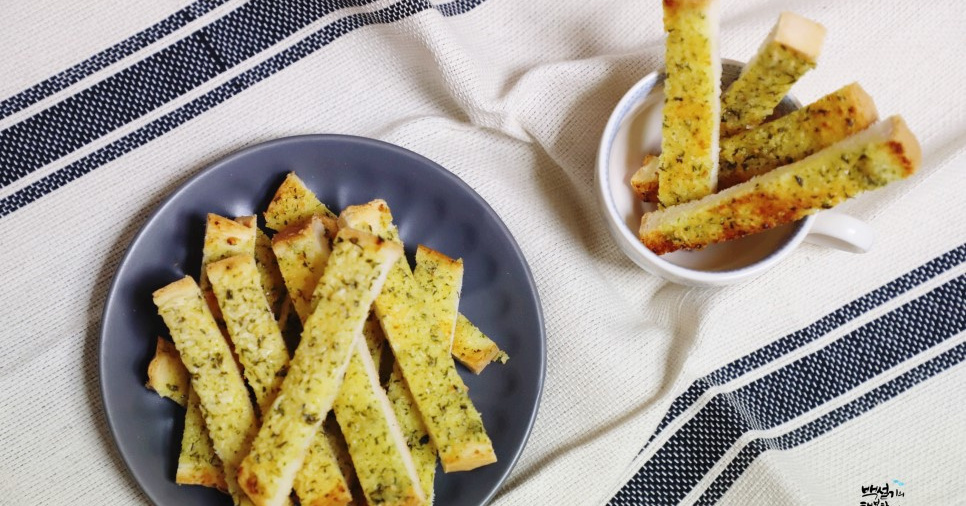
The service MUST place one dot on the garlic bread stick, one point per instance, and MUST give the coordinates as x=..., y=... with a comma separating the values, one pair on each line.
x=834, y=117
x=228, y=411
x=470, y=346
x=354, y=275
x=883, y=153
x=293, y=202
x=413, y=430
x=261, y=350
x=376, y=443
x=454, y=424
x=692, y=102
x=419, y=348
x=197, y=463
x=302, y=251
x=166, y=374
x=441, y=279
x=267, y=266
x=382, y=462
x=251, y=325
x=790, y=50
x=271, y=276
x=225, y=238
x=322, y=481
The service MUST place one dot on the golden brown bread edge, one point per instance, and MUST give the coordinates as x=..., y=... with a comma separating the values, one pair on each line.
x=885, y=152
x=691, y=114
x=830, y=119
x=785, y=140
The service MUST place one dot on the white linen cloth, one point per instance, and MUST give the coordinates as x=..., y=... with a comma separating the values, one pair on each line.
x=512, y=97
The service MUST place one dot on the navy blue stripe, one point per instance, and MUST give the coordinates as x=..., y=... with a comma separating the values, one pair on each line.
x=812, y=332
x=153, y=82
x=798, y=388
x=218, y=95
x=457, y=7
x=831, y=420
x=107, y=57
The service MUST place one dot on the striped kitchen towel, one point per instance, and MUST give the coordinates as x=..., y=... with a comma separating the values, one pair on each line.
x=785, y=395
x=832, y=379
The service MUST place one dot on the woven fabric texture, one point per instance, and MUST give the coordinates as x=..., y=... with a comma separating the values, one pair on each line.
x=830, y=372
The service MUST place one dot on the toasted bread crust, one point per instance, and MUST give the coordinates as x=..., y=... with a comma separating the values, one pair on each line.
x=644, y=181
x=473, y=348
x=411, y=423
x=206, y=476
x=166, y=374
x=884, y=153
x=785, y=140
x=251, y=325
x=353, y=275
x=469, y=457
x=301, y=251
x=229, y=414
x=905, y=147
x=197, y=462
x=789, y=51
x=692, y=106
x=470, y=346
x=796, y=135
x=799, y=34
x=439, y=392
x=293, y=203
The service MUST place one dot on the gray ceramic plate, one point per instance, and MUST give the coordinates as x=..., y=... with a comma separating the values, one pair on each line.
x=431, y=207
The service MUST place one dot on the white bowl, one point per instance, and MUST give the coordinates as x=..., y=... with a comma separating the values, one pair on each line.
x=633, y=130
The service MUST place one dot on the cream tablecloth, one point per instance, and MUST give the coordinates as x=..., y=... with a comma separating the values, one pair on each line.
x=830, y=374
